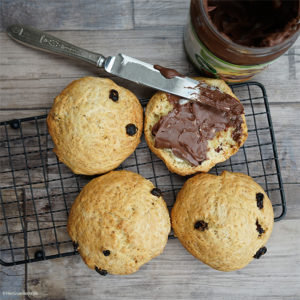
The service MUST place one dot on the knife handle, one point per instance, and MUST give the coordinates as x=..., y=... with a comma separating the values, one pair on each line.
x=41, y=40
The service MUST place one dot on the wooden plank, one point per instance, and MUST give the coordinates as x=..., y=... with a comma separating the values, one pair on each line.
x=75, y=15
x=286, y=126
x=282, y=78
x=31, y=79
x=160, y=13
x=6, y=115
x=43, y=69
x=12, y=280
x=25, y=63
x=292, y=192
x=275, y=276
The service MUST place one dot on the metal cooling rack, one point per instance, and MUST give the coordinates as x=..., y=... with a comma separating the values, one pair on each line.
x=37, y=191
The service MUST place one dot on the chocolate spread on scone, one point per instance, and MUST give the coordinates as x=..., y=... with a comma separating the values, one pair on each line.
x=206, y=94
x=187, y=128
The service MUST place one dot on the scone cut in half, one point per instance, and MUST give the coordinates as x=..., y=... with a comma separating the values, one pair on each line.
x=119, y=222
x=191, y=137
x=95, y=125
x=224, y=221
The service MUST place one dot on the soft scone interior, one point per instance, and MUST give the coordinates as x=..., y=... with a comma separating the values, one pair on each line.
x=220, y=147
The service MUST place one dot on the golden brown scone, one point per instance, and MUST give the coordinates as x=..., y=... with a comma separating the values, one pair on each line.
x=224, y=221
x=159, y=106
x=89, y=122
x=119, y=221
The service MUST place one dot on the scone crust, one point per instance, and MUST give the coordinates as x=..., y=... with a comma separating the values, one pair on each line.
x=89, y=129
x=159, y=106
x=117, y=212
x=227, y=203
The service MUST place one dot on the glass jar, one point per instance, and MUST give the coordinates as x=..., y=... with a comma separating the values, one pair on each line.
x=218, y=56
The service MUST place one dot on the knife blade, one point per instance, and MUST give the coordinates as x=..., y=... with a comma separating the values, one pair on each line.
x=120, y=65
x=143, y=73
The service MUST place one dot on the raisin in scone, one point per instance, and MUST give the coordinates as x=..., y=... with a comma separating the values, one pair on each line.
x=224, y=221
x=95, y=125
x=118, y=222
x=191, y=137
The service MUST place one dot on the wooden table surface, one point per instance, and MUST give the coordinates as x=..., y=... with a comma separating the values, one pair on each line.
x=151, y=31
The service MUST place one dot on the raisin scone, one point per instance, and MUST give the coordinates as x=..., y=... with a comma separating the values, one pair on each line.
x=224, y=221
x=191, y=137
x=95, y=125
x=119, y=222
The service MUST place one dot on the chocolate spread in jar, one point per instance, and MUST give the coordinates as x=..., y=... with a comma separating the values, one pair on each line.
x=187, y=128
x=254, y=23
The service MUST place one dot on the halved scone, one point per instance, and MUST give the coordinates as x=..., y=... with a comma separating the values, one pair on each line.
x=217, y=134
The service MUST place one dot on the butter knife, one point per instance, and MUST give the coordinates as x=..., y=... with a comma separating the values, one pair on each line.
x=119, y=65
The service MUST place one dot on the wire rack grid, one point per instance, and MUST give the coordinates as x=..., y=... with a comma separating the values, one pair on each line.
x=37, y=191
